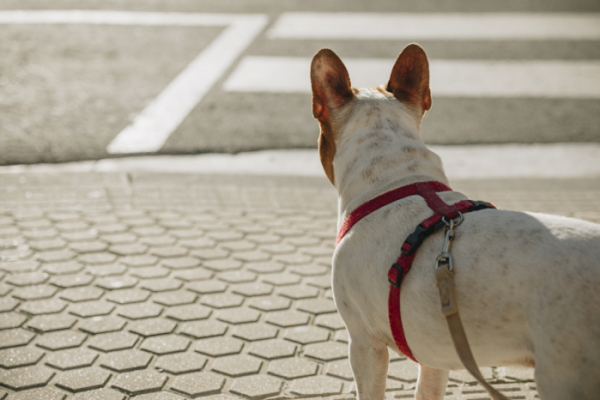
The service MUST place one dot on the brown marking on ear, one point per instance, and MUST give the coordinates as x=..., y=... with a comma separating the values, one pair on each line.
x=409, y=81
x=331, y=90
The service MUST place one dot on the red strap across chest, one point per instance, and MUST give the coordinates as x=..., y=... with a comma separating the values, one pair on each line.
x=427, y=190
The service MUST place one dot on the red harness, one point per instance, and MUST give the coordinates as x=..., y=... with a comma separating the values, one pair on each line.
x=429, y=192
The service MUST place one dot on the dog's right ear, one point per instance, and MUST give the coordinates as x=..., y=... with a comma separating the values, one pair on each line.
x=409, y=81
x=330, y=83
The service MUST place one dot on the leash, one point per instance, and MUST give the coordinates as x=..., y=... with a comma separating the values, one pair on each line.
x=446, y=215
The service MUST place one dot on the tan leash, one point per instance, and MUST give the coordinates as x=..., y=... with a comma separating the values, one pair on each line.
x=444, y=277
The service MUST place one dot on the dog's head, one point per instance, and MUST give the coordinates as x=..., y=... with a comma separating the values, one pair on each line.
x=333, y=97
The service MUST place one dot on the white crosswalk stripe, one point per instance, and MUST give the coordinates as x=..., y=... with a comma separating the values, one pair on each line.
x=449, y=26
x=449, y=78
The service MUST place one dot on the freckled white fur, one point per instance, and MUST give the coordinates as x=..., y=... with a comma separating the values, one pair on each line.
x=528, y=284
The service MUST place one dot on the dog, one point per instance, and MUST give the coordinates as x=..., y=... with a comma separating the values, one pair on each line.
x=527, y=284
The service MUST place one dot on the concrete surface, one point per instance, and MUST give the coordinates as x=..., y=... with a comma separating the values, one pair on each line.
x=176, y=286
x=563, y=160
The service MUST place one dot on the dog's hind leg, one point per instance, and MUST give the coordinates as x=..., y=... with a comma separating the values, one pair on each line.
x=369, y=364
x=431, y=384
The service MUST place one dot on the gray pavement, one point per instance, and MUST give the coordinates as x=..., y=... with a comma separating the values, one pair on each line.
x=69, y=90
x=175, y=286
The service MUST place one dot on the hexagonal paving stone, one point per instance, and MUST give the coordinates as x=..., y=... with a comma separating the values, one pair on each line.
x=219, y=346
x=292, y=368
x=342, y=336
x=253, y=289
x=271, y=303
x=20, y=357
x=282, y=279
x=61, y=340
x=169, y=251
x=316, y=306
x=45, y=393
x=128, y=249
x=69, y=281
x=106, y=270
x=210, y=254
x=36, y=292
x=60, y=268
x=238, y=316
x=166, y=344
x=257, y=386
x=252, y=332
x=139, y=382
x=140, y=311
x=86, y=293
x=237, y=276
x=196, y=274
x=323, y=282
x=55, y=255
x=222, y=265
x=11, y=320
x=27, y=278
x=280, y=248
x=306, y=334
x=326, y=351
x=150, y=272
x=198, y=384
x=100, y=394
x=113, y=341
x=189, y=312
x=157, y=241
x=181, y=262
x=405, y=371
x=161, y=285
x=287, y=318
x=222, y=300
x=83, y=379
x=40, y=307
x=139, y=261
x=340, y=369
x=8, y=304
x=181, y=363
x=20, y=266
x=159, y=396
x=239, y=365
x=316, y=386
x=49, y=323
x=271, y=349
x=239, y=246
x=25, y=378
x=15, y=337
x=174, y=298
x=128, y=296
x=331, y=321
x=205, y=287
x=71, y=359
x=152, y=327
x=203, y=329
x=91, y=309
x=116, y=282
x=126, y=360
x=267, y=267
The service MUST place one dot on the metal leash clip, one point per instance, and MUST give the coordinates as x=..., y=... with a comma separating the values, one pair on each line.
x=445, y=258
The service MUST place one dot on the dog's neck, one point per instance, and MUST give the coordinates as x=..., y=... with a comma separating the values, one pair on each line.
x=379, y=148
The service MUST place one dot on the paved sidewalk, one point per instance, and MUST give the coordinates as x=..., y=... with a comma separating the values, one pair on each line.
x=166, y=286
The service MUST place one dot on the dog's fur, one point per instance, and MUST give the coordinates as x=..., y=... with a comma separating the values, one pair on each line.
x=528, y=285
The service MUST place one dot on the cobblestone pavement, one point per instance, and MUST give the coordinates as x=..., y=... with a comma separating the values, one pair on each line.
x=173, y=287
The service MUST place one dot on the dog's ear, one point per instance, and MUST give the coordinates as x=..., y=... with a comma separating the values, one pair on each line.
x=409, y=81
x=330, y=83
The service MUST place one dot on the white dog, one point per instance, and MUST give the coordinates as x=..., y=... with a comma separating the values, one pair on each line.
x=528, y=285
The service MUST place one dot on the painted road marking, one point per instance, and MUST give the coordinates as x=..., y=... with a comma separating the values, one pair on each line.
x=152, y=127
x=447, y=26
x=449, y=78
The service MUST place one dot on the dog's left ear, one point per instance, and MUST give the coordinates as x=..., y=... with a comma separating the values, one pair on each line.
x=409, y=81
x=330, y=83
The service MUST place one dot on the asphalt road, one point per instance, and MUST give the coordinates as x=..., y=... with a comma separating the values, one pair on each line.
x=67, y=91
